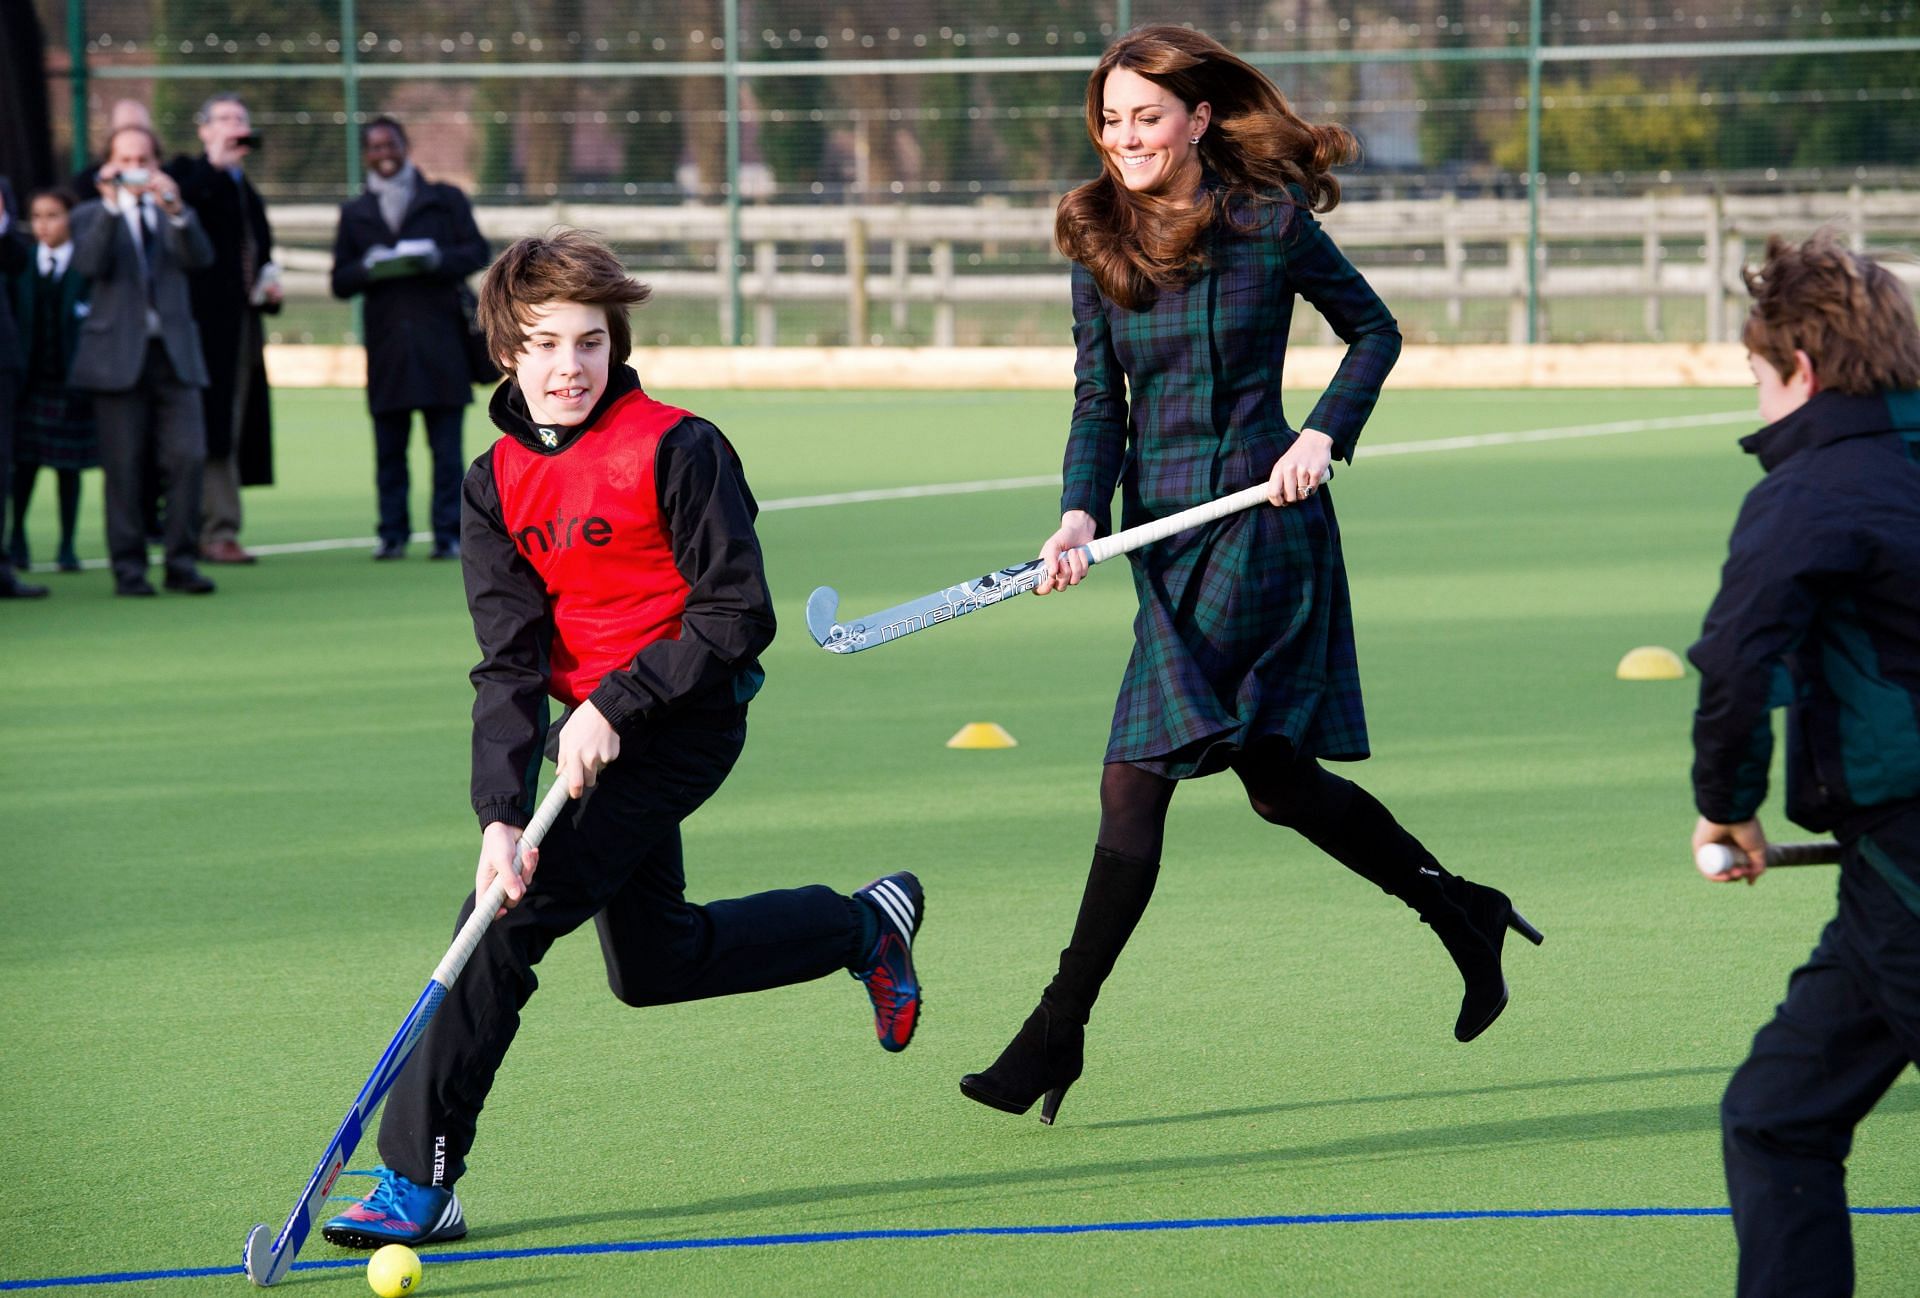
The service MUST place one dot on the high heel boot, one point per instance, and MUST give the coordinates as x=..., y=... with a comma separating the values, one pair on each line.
x=1044, y=1058
x=1471, y=920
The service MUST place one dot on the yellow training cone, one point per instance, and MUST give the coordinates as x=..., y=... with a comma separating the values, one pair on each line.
x=1650, y=663
x=983, y=734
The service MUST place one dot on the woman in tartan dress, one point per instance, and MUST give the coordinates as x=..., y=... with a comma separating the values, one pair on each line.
x=1188, y=252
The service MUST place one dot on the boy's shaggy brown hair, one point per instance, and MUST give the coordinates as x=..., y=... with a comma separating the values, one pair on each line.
x=561, y=266
x=1851, y=316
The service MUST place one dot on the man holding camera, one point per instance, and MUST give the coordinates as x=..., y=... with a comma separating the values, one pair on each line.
x=139, y=354
x=229, y=298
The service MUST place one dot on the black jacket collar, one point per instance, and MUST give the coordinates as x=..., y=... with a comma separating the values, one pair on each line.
x=1831, y=417
x=508, y=410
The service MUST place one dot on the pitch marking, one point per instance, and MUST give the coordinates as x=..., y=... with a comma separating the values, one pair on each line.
x=938, y=1232
x=1052, y=479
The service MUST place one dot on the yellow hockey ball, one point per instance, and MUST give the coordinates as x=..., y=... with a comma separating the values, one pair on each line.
x=394, y=1270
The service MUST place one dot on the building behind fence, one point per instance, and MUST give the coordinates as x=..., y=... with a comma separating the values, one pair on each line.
x=814, y=172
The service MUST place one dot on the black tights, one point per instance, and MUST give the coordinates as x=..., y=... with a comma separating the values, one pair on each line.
x=1284, y=789
x=1337, y=816
x=68, y=481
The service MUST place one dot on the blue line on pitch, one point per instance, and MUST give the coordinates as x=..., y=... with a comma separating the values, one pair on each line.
x=936, y=1232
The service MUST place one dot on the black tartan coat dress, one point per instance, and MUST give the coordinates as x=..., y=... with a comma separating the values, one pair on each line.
x=1245, y=628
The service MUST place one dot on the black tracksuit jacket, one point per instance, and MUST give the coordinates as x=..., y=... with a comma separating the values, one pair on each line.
x=727, y=622
x=1819, y=610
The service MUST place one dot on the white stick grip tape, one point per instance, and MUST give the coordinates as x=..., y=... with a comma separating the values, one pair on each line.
x=1160, y=529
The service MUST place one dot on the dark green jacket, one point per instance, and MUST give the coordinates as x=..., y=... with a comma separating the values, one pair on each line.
x=1819, y=610
x=24, y=289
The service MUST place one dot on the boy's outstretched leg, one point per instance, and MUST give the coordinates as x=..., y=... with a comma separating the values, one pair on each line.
x=661, y=949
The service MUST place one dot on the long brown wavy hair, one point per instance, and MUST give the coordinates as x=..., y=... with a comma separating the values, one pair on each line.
x=1137, y=243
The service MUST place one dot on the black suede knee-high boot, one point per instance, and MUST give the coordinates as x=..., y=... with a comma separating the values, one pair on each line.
x=1046, y=1056
x=1470, y=919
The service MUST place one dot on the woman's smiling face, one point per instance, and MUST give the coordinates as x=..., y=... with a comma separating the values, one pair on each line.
x=1149, y=133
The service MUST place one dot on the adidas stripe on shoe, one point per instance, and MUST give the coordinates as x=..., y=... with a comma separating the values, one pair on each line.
x=891, y=982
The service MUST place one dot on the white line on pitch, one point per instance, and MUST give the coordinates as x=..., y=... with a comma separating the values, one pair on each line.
x=1559, y=434
x=910, y=493
x=1366, y=453
x=1051, y=479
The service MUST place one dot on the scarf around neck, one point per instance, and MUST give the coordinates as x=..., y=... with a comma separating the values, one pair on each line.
x=394, y=195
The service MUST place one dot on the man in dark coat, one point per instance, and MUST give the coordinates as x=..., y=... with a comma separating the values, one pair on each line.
x=409, y=244
x=15, y=253
x=140, y=356
x=229, y=298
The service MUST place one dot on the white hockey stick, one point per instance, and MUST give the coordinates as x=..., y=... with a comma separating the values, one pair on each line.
x=983, y=592
x=268, y=1262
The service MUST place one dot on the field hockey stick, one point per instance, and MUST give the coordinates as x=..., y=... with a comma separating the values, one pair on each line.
x=983, y=592
x=1715, y=859
x=268, y=1263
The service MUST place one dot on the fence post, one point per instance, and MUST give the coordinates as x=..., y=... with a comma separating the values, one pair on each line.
x=1453, y=252
x=730, y=250
x=1533, y=170
x=1715, y=256
x=943, y=293
x=77, y=78
x=1521, y=306
x=1650, y=268
x=1736, y=259
x=1856, y=219
x=857, y=282
x=766, y=263
x=350, y=95
x=897, y=250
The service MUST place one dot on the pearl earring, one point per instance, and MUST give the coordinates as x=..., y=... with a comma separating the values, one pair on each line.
x=1194, y=140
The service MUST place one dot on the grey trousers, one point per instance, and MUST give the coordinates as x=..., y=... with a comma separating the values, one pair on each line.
x=162, y=412
x=220, y=500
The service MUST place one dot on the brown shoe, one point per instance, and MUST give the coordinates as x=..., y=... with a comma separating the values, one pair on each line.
x=225, y=552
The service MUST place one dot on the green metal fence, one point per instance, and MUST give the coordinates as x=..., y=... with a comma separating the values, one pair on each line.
x=750, y=106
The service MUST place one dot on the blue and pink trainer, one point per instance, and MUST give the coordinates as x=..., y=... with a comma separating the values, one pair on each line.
x=396, y=1211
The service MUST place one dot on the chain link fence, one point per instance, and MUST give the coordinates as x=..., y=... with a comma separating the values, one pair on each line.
x=821, y=172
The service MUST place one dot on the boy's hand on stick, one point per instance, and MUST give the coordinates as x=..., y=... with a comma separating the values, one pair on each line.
x=1066, y=562
x=587, y=743
x=497, y=844
x=1745, y=838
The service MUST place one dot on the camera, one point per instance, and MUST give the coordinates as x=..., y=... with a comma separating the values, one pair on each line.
x=133, y=176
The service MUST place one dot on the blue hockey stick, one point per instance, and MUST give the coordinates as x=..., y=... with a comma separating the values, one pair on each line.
x=888, y=625
x=268, y=1262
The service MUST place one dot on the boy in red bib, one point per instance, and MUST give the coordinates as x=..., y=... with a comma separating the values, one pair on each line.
x=611, y=564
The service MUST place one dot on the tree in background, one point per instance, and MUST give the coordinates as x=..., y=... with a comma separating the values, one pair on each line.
x=1615, y=121
x=304, y=153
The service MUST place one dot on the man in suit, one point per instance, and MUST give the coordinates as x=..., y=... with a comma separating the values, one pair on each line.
x=409, y=244
x=16, y=250
x=228, y=299
x=139, y=354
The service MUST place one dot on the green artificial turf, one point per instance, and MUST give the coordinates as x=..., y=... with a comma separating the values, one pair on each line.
x=237, y=834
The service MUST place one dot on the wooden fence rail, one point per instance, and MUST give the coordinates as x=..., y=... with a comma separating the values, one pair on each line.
x=1655, y=248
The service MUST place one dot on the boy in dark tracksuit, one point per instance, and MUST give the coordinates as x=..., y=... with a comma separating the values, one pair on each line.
x=1819, y=608
x=611, y=563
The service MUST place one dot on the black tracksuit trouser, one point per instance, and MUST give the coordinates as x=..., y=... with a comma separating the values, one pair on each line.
x=614, y=859
x=1849, y=1026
